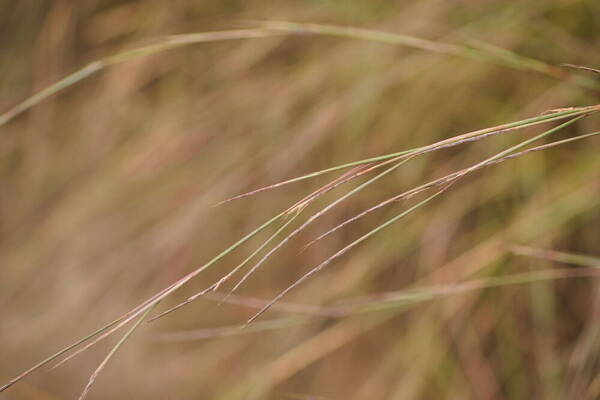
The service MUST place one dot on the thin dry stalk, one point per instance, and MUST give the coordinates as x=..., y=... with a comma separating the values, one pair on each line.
x=314, y=217
x=444, y=180
x=112, y=352
x=111, y=327
x=552, y=115
x=597, y=71
x=461, y=174
x=341, y=252
x=215, y=286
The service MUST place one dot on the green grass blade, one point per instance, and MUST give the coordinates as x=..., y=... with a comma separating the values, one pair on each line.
x=113, y=351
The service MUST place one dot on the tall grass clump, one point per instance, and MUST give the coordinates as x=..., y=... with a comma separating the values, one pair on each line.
x=413, y=212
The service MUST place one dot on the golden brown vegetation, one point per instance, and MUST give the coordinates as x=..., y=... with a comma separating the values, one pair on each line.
x=474, y=273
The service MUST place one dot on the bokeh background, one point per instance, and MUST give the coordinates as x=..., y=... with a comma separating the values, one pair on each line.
x=107, y=195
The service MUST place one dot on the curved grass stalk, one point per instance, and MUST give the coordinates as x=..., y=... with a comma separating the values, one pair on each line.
x=478, y=50
x=278, y=28
x=168, y=43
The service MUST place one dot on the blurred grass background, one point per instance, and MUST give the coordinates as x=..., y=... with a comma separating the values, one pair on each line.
x=107, y=194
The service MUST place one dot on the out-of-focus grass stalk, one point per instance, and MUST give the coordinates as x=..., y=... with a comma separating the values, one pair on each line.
x=476, y=50
x=50, y=90
x=405, y=298
x=417, y=295
x=497, y=55
x=168, y=43
x=273, y=28
x=207, y=333
x=558, y=256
